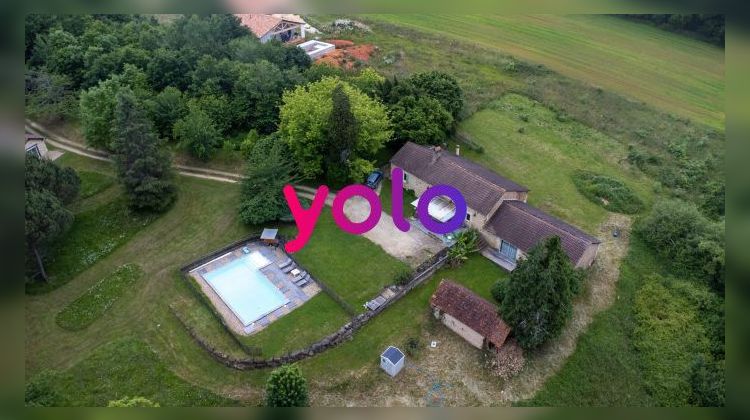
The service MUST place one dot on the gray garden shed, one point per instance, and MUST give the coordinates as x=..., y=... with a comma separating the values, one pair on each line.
x=392, y=360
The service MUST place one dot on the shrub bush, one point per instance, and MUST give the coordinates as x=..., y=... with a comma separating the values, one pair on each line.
x=403, y=278
x=610, y=193
x=707, y=382
x=680, y=233
x=498, y=290
x=466, y=244
x=413, y=346
x=286, y=387
x=40, y=391
x=668, y=335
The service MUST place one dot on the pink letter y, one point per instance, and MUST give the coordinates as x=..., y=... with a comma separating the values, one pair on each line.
x=305, y=219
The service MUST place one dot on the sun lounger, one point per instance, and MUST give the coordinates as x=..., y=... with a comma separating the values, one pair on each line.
x=301, y=282
x=300, y=276
x=286, y=263
x=288, y=268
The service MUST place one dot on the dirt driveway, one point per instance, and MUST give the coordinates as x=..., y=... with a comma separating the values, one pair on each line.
x=411, y=247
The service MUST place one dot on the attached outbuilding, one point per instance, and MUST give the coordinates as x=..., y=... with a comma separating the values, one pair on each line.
x=392, y=360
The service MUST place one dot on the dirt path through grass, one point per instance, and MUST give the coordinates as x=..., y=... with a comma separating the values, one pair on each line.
x=600, y=294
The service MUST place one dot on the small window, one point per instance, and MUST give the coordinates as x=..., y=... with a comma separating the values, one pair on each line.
x=468, y=217
x=406, y=177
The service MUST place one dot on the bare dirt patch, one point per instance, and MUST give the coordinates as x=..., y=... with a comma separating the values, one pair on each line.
x=347, y=54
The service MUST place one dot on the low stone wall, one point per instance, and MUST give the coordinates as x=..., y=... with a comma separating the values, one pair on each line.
x=423, y=272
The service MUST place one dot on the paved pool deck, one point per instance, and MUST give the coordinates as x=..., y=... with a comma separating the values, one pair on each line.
x=297, y=296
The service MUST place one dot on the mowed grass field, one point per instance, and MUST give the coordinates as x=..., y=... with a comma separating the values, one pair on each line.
x=672, y=72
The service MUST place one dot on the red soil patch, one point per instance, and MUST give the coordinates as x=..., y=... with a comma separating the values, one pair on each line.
x=346, y=54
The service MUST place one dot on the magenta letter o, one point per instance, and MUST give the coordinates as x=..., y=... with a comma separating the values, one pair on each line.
x=338, y=209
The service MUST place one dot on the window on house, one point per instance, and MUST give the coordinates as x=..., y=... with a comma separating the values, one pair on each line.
x=509, y=251
x=468, y=217
x=406, y=177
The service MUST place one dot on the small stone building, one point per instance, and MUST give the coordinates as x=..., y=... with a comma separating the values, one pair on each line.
x=468, y=315
x=392, y=360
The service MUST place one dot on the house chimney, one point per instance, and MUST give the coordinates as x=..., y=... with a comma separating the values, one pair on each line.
x=458, y=150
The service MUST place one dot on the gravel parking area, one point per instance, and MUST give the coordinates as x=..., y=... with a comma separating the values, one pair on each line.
x=412, y=247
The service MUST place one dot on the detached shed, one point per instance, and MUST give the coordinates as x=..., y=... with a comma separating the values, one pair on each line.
x=392, y=360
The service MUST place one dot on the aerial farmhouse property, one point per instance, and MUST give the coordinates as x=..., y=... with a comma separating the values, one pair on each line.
x=468, y=315
x=497, y=206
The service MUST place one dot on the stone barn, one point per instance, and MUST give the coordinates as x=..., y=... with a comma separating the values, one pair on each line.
x=468, y=315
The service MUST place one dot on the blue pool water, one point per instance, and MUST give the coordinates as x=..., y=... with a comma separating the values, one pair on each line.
x=245, y=289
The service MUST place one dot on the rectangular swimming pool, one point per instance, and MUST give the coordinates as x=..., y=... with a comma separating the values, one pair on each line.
x=245, y=289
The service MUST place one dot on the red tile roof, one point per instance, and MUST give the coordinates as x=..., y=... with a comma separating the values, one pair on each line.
x=481, y=187
x=525, y=226
x=470, y=309
x=260, y=24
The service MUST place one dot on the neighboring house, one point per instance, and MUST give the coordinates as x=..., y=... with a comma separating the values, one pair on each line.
x=468, y=315
x=282, y=27
x=496, y=206
x=392, y=360
x=35, y=145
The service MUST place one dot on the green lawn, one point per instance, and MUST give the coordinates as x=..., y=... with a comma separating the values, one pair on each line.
x=94, y=235
x=404, y=319
x=93, y=183
x=546, y=156
x=305, y=325
x=351, y=265
x=83, y=311
x=122, y=368
x=203, y=219
x=672, y=72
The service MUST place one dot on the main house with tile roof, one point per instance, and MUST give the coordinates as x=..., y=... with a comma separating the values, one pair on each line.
x=282, y=27
x=497, y=206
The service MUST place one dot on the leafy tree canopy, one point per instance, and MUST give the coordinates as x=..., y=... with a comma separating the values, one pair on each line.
x=305, y=124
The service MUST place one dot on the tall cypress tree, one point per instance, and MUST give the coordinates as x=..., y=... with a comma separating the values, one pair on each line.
x=538, y=297
x=143, y=167
x=342, y=138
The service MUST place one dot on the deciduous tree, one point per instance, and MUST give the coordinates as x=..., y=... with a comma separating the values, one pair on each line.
x=197, y=133
x=305, y=124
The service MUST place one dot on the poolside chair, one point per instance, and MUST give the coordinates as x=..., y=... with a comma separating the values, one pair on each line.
x=288, y=268
x=301, y=282
x=300, y=276
x=284, y=264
